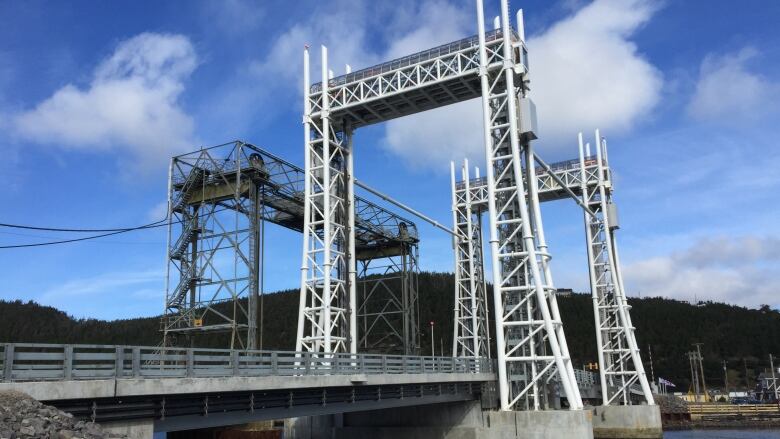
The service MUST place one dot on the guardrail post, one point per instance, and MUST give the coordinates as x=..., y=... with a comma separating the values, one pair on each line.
x=234, y=361
x=119, y=361
x=274, y=364
x=403, y=364
x=307, y=360
x=67, y=362
x=363, y=363
x=8, y=362
x=136, y=362
x=384, y=364
x=190, y=363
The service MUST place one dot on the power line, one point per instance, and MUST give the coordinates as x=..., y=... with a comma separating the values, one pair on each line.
x=158, y=223
x=75, y=239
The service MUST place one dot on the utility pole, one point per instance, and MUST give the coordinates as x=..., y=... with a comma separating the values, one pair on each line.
x=433, y=343
x=725, y=379
x=694, y=376
x=747, y=385
x=650, y=355
x=701, y=369
x=774, y=380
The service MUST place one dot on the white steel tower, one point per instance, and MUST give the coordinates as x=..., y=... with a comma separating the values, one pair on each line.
x=620, y=365
x=529, y=336
x=327, y=314
x=470, y=327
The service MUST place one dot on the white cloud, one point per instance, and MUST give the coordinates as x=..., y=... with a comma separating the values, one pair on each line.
x=585, y=74
x=727, y=90
x=131, y=104
x=732, y=269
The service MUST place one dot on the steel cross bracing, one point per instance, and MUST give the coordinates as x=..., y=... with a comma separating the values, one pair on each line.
x=470, y=329
x=213, y=188
x=620, y=365
x=388, y=306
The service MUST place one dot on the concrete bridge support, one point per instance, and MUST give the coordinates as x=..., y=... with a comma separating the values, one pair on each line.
x=459, y=420
x=133, y=429
x=627, y=422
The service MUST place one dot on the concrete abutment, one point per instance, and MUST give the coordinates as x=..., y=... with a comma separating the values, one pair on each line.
x=133, y=429
x=627, y=422
x=461, y=420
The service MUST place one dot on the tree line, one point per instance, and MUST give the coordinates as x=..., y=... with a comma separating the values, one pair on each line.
x=665, y=329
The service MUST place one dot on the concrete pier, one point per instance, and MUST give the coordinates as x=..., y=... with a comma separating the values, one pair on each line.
x=627, y=422
x=464, y=420
x=134, y=429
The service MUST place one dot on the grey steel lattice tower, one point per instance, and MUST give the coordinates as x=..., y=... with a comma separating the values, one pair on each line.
x=620, y=365
x=214, y=242
x=220, y=199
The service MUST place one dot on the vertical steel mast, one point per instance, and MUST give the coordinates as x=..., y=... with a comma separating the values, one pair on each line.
x=327, y=305
x=620, y=365
x=470, y=326
x=525, y=328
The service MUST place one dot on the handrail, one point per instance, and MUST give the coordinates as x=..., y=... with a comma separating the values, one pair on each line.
x=55, y=362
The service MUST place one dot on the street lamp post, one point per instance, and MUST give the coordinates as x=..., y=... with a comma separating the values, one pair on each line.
x=433, y=343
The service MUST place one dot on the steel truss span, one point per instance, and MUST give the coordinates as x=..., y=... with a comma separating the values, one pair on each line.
x=220, y=199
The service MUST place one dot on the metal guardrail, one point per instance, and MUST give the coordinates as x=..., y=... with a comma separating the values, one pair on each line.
x=710, y=409
x=51, y=362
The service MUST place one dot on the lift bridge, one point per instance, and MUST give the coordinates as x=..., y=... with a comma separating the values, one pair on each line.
x=220, y=199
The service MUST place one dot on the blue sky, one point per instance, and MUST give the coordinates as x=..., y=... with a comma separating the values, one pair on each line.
x=95, y=96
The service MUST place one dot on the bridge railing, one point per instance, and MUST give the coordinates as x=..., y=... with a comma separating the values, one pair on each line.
x=40, y=362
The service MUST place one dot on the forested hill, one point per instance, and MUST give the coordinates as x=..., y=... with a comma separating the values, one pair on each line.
x=743, y=337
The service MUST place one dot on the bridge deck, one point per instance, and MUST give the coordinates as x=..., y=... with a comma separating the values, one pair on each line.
x=51, y=371
x=181, y=389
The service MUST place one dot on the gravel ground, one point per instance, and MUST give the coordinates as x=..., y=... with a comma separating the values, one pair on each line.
x=23, y=417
